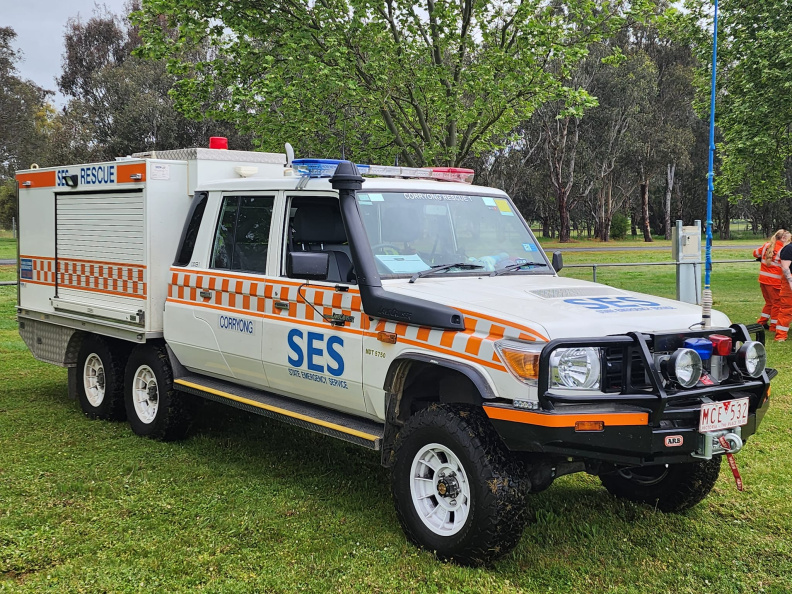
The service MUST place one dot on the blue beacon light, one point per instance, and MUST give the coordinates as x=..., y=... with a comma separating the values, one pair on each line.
x=701, y=345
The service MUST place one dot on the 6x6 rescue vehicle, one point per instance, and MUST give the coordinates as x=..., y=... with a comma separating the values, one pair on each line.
x=404, y=310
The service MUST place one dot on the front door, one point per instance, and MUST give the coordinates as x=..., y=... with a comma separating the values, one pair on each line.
x=308, y=351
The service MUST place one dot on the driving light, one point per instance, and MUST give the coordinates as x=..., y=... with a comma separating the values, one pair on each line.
x=576, y=368
x=751, y=358
x=684, y=368
x=521, y=359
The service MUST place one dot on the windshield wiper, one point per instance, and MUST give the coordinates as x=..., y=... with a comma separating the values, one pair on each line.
x=513, y=267
x=433, y=269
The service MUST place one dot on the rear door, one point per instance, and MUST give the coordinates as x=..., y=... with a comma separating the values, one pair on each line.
x=234, y=284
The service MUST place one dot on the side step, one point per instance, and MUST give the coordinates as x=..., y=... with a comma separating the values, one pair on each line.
x=302, y=414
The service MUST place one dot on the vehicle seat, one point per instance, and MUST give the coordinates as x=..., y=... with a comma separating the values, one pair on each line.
x=319, y=228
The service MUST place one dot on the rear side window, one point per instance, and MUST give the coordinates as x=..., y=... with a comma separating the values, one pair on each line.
x=242, y=237
x=190, y=232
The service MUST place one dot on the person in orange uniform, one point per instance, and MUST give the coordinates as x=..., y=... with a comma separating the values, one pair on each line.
x=770, y=276
x=784, y=309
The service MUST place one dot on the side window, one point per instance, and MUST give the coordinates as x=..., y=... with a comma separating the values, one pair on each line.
x=191, y=227
x=242, y=237
x=316, y=225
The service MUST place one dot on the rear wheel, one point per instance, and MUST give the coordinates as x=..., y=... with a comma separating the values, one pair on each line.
x=456, y=488
x=154, y=408
x=100, y=378
x=669, y=487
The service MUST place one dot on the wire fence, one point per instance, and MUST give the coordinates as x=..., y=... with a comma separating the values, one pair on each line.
x=595, y=267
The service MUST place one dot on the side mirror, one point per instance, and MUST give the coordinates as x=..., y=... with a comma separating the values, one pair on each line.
x=308, y=265
x=558, y=261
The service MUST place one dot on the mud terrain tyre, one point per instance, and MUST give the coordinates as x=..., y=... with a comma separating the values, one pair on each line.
x=154, y=408
x=669, y=488
x=458, y=492
x=100, y=378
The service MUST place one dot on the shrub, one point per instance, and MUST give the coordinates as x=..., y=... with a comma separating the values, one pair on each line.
x=619, y=225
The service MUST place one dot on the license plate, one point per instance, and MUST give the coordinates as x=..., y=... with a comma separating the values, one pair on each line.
x=723, y=415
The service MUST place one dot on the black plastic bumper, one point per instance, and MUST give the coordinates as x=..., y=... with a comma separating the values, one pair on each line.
x=619, y=444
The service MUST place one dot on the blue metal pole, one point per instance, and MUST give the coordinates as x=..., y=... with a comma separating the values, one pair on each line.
x=711, y=169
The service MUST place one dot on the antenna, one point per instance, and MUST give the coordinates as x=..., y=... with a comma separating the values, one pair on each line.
x=289, y=154
x=343, y=142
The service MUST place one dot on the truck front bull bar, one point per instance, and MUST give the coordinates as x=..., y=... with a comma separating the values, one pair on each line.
x=656, y=398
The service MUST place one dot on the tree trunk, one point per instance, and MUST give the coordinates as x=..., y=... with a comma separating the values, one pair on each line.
x=546, y=227
x=647, y=231
x=563, y=215
x=599, y=231
x=725, y=230
x=669, y=188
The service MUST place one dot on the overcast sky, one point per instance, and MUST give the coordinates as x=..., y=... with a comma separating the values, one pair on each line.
x=39, y=25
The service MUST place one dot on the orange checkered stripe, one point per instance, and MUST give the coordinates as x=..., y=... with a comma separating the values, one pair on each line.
x=256, y=297
x=111, y=278
x=475, y=343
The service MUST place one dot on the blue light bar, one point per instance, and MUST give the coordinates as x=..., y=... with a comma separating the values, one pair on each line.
x=701, y=345
x=321, y=167
x=326, y=168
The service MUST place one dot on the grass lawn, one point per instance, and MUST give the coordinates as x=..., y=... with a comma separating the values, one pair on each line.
x=8, y=249
x=248, y=505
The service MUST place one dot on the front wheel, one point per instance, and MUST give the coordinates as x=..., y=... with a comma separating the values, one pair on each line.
x=153, y=407
x=456, y=488
x=669, y=487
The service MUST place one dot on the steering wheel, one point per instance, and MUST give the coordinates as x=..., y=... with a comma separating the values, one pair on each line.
x=380, y=246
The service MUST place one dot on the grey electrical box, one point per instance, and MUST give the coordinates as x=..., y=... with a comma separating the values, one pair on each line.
x=686, y=251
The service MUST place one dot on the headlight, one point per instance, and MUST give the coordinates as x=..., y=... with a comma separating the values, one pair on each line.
x=575, y=368
x=752, y=358
x=684, y=368
x=521, y=359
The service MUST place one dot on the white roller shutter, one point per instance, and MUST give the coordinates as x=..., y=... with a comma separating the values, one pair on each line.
x=101, y=227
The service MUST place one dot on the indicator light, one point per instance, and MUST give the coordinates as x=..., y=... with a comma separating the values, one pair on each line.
x=387, y=337
x=589, y=425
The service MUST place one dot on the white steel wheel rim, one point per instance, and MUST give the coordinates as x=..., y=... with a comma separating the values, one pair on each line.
x=440, y=489
x=94, y=380
x=145, y=394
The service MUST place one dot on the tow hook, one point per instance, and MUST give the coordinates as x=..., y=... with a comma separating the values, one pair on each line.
x=734, y=443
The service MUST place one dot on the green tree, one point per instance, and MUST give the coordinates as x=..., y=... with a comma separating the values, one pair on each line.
x=430, y=84
x=119, y=103
x=754, y=104
x=23, y=113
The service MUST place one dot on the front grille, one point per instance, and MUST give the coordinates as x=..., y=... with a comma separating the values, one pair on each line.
x=613, y=380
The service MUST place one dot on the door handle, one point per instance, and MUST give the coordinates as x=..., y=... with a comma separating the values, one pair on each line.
x=205, y=294
x=281, y=305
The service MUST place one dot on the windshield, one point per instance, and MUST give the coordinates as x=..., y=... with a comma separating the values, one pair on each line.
x=411, y=232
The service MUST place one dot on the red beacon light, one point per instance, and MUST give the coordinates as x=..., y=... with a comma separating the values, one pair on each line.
x=218, y=142
x=454, y=174
x=721, y=345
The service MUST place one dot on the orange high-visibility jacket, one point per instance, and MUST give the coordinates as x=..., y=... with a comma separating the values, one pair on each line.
x=770, y=275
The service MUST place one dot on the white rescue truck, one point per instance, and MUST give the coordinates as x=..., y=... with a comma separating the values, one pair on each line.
x=403, y=310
